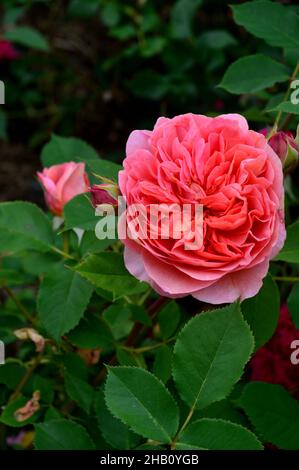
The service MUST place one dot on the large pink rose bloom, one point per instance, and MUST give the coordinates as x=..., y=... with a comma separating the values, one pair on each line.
x=232, y=171
x=61, y=183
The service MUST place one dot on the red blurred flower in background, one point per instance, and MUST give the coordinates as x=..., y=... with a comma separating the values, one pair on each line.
x=272, y=362
x=8, y=51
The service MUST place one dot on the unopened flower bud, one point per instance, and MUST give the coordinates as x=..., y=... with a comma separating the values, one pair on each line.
x=285, y=146
x=104, y=194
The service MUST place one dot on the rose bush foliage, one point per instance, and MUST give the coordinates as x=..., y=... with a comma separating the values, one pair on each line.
x=105, y=349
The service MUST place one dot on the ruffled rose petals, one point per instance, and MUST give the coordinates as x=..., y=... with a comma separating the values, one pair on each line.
x=235, y=175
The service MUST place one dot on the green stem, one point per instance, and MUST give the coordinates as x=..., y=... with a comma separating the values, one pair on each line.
x=147, y=348
x=184, y=425
x=62, y=253
x=66, y=242
x=19, y=304
x=128, y=300
x=25, y=378
x=285, y=98
x=144, y=297
x=286, y=278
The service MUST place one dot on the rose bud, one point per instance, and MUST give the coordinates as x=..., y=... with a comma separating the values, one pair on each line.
x=284, y=144
x=104, y=194
x=61, y=183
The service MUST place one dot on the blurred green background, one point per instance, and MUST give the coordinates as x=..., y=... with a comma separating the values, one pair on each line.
x=97, y=69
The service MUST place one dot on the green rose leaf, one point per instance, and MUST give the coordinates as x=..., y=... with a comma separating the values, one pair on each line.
x=141, y=401
x=210, y=355
x=287, y=107
x=182, y=16
x=79, y=213
x=66, y=149
x=116, y=433
x=83, y=9
x=290, y=251
x=217, y=39
x=276, y=24
x=52, y=414
x=168, y=319
x=23, y=226
x=118, y=317
x=217, y=434
x=223, y=409
x=273, y=412
x=11, y=374
x=293, y=305
x=80, y=391
x=162, y=363
x=253, y=73
x=104, y=168
x=91, y=333
x=91, y=244
x=107, y=271
x=262, y=312
x=27, y=36
x=62, y=300
x=62, y=434
x=13, y=277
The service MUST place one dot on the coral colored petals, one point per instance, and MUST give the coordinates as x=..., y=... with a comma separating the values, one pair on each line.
x=236, y=177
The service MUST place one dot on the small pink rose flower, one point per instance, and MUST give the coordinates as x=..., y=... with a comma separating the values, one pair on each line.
x=236, y=176
x=8, y=51
x=61, y=183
